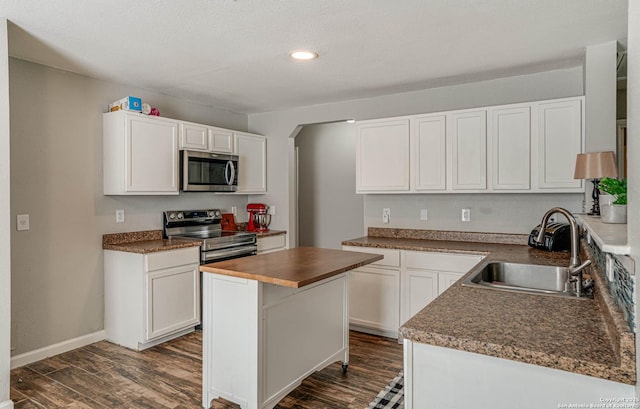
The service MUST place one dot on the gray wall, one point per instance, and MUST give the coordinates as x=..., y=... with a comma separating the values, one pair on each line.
x=279, y=126
x=5, y=246
x=56, y=178
x=328, y=208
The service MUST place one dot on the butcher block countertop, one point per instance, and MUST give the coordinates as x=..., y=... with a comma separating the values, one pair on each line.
x=295, y=267
x=588, y=337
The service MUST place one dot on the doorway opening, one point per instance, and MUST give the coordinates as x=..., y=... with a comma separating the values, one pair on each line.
x=327, y=207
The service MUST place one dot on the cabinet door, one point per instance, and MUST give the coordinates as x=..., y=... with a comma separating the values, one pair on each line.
x=446, y=280
x=468, y=147
x=193, y=136
x=560, y=136
x=221, y=140
x=151, y=156
x=428, y=146
x=421, y=288
x=374, y=298
x=382, y=156
x=510, y=153
x=172, y=300
x=252, y=173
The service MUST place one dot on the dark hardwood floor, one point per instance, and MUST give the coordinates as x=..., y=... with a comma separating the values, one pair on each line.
x=104, y=375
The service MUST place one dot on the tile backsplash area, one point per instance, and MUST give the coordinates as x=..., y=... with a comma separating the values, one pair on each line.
x=622, y=283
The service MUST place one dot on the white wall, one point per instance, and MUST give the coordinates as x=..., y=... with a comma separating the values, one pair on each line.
x=56, y=178
x=633, y=151
x=278, y=126
x=5, y=245
x=329, y=208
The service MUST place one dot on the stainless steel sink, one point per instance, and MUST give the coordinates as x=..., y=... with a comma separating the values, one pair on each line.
x=527, y=278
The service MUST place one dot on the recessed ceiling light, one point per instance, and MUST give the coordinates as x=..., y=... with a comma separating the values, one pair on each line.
x=303, y=55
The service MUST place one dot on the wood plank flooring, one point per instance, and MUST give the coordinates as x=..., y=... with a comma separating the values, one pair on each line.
x=104, y=375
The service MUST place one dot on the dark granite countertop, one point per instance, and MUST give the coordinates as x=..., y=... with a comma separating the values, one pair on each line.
x=588, y=337
x=144, y=242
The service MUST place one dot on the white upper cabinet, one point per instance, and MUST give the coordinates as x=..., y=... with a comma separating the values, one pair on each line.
x=560, y=139
x=517, y=148
x=194, y=136
x=221, y=140
x=382, y=156
x=510, y=148
x=428, y=153
x=252, y=162
x=468, y=150
x=140, y=154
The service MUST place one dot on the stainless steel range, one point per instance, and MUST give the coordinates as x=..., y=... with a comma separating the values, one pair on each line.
x=204, y=226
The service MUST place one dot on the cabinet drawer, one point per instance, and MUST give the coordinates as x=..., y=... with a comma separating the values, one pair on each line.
x=171, y=258
x=460, y=263
x=270, y=243
x=391, y=257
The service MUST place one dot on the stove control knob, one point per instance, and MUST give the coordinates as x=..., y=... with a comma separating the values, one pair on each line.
x=210, y=213
x=172, y=216
x=180, y=216
x=218, y=213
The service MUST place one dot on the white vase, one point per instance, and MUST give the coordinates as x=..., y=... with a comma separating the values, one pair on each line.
x=610, y=213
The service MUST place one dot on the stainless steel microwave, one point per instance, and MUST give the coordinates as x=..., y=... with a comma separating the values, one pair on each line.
x=208, y=172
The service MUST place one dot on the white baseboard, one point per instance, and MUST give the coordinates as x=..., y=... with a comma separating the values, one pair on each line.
x=8, y=404
x=55, y=349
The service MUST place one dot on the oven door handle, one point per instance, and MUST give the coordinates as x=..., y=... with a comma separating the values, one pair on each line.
x=212, y=256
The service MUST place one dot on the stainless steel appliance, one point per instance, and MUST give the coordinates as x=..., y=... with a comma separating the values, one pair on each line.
x=208, y=172
x=556, y=237
x=204, y=226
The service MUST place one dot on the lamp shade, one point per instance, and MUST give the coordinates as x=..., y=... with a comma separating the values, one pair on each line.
x=596, y=165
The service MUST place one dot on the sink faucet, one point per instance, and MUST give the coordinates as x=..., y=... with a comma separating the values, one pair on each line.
x=575, y=268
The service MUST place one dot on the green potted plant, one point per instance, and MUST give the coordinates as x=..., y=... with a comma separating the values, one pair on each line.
x=615, y=212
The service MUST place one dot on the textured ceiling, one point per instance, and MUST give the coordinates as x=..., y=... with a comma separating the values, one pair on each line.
x=234, y=54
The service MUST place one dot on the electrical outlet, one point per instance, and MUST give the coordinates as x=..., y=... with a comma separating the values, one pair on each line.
x=234, y=210
x=386, y=215
x=22, y=222
x=120, y=216
x=272, y=210
x=466, y=215
x=423, y=214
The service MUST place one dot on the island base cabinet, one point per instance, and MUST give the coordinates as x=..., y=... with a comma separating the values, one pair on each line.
x=437, y=377
x=261, y=340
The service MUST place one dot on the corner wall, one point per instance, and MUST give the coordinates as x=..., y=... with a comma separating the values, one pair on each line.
x=5, y=225
x=57, y=290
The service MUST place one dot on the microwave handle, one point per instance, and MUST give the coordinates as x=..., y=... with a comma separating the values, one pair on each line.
x=230, y=178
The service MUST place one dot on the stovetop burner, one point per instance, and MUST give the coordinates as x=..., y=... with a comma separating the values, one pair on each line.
x=204, y=226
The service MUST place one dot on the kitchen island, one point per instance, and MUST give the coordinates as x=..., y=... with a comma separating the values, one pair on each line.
x=271, y=320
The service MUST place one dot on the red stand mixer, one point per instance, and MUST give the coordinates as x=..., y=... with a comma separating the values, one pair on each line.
x=259, y=217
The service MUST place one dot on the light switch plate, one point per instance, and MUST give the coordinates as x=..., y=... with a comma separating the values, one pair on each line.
x=466, y=215
x=120, y=216
x=22, y=222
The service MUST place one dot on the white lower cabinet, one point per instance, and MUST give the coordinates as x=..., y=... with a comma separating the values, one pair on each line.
x=374, y=294
x=426, y=275
x=385, y=294
x=151, y=298
x=270, y=244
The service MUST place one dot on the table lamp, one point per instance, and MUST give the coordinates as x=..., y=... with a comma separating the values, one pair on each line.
x=594, y=166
